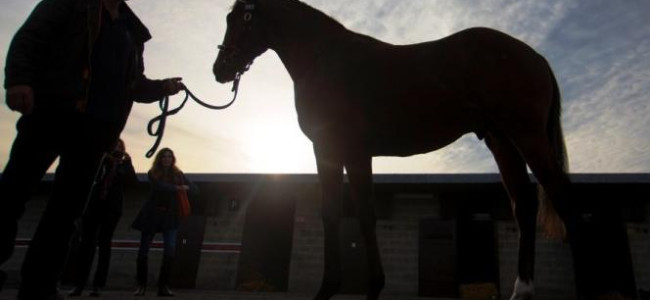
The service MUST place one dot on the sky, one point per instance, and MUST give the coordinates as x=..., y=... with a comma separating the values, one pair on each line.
x=598, y=49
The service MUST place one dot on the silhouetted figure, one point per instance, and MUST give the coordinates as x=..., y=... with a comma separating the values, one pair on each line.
x=358, y=97
x=161, y=213
x=102, y=214
x=73, y=70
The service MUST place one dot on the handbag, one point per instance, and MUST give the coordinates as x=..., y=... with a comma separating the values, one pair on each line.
x=184, y=208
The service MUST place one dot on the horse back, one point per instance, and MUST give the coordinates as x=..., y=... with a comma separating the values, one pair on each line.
x=408, y=99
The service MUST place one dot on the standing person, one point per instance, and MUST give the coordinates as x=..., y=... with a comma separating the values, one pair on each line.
x=161, y=213
x=73, y=70
x=103, y=211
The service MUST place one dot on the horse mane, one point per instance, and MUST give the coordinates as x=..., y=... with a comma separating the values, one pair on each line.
x=299, y=8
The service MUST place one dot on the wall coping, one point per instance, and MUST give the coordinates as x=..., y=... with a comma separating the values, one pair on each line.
x=471, y=178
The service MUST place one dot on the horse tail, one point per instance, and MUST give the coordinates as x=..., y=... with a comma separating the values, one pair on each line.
x=547, y=215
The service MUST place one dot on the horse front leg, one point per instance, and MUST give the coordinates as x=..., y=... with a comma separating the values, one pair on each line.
x=359, y=169
x=330, y=174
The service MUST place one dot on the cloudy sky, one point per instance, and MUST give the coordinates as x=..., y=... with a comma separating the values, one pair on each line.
x=599, y=50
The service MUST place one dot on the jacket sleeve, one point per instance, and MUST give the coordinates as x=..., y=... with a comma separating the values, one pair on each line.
x=127, y=173
x=29, y=45
x=194, y=189
x=146, y=90
x=157, y=185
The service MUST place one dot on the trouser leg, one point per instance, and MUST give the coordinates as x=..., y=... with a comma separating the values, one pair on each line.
x=169, y=252
x=142, y=266
x=169, y=238
x=32, y=153
x=165, y=271
x=81, y=150
x=89, y=227
x=105, y=237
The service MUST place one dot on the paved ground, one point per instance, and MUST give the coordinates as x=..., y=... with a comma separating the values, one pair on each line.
x=217, y=295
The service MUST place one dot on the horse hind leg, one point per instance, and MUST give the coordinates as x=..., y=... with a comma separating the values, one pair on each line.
x=541, y=158
x=524, y=205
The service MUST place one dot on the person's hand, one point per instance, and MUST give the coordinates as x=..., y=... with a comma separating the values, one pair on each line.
x=125, y=158
x=172, y=86
x=21, y=98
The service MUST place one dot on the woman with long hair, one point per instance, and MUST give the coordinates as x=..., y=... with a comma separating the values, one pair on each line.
x=162, y=212
x=101, y=216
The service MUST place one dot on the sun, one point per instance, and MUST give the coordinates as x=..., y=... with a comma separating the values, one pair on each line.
x=279, y=148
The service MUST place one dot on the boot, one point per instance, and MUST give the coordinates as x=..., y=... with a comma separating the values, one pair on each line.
x=142, y=268
x=163, y=291
x=163, y=278
x=140, y=291
x=75, y=292
x=97, y=291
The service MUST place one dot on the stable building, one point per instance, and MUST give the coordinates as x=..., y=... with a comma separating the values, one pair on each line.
x=440, y=235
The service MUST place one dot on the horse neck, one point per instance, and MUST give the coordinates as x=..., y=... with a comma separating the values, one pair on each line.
x=299, y=34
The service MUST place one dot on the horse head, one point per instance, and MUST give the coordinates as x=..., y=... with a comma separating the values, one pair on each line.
x=245, y=39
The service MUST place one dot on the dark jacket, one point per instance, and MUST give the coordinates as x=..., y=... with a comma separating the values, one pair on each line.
x=159, y=212
x=107, y=195
x=51, y=52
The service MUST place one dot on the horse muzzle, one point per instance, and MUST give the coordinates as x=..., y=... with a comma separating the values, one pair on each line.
x=223, y=73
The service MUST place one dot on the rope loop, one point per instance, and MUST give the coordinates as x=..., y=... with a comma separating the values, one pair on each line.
x=163, y=103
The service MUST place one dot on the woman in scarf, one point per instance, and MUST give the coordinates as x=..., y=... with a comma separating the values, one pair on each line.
x=162, y=212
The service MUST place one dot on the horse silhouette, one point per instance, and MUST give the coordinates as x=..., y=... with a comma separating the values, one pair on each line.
x=358, y=97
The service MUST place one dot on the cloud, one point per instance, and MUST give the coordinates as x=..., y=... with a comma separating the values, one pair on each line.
x=600, y=52
x=598, y=49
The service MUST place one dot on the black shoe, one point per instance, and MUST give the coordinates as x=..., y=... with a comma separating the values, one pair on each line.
x=164, y=291
x=56, y=296
x=75, y=292
x=97, y=291
x=38, y=294
x=140, y=291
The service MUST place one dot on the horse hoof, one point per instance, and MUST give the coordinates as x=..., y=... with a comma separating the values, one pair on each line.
x=373, y=294
x=327, y=291
x=375, y=286
x=524, y=290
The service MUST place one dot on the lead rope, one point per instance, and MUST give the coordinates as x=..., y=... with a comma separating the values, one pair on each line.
x=164, y=106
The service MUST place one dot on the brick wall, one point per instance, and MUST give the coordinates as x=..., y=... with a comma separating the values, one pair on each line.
x=217, y=269
x=397, y=231
x=306, y=266
x=224, y=225
x=398, y=239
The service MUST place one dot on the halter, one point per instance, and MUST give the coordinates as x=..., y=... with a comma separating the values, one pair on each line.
x=249, y=8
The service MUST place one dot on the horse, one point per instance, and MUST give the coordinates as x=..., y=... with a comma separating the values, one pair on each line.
x=357, y=98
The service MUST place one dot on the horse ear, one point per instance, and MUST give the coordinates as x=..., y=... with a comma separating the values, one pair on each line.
x=248, y=4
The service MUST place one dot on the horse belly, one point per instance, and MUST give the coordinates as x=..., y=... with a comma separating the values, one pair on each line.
x=418, y=135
